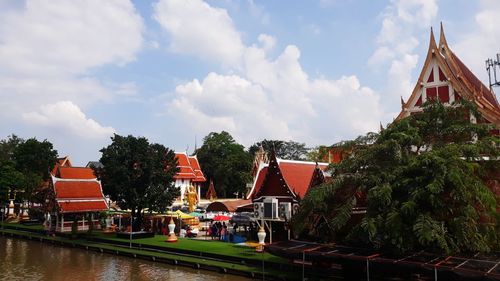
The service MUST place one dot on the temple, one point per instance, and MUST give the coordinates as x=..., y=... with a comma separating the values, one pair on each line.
x=445, y=77
x=189, y=174
x=75, y=197
x=278, y=189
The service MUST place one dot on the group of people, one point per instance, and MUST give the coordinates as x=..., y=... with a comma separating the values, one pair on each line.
x=218, y=231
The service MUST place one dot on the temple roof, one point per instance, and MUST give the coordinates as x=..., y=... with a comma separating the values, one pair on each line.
x=297, y=175
x=75, y=173
x=78, y=195
x=463, y=82
x=61, y=162
x=189, y=168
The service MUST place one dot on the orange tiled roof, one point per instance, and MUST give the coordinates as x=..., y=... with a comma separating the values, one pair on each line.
x=77, y=189
x=197, y=170
x=78, y=195
x=76, y=173
x=298, y=174
x=82, y=206
x=261, y=175
x=189, y=168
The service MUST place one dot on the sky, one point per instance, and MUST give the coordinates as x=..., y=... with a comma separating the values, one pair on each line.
x=318, y=71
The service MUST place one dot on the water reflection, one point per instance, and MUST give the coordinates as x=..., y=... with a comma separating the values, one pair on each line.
x=29, y=260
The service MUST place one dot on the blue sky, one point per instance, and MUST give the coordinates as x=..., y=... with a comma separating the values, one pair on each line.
x=174, y=70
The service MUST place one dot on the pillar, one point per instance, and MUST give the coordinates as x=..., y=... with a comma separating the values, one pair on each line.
x=62, y=222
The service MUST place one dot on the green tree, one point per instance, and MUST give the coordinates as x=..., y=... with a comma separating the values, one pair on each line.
x=10, y=178
x=34, y=159
x=424, y=181
x=138, y=175
x=290, y=150
x=8, y=146
x=226, y=163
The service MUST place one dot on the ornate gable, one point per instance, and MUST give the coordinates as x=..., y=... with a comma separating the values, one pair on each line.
x=274, y=183
x=444, y=77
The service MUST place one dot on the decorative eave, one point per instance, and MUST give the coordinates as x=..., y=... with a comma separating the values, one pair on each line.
x=431, y=51
x=452, y=68
x=274, y=170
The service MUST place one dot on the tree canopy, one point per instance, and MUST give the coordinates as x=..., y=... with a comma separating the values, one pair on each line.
x=26, y=165
x=423, y=179
x=138, y=175
x=290, y=150
x=226, y=163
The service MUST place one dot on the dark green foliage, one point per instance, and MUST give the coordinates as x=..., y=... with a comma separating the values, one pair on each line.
x=290, y=150
x=138, y=175
x=226, y=163
x=25, y=165
x=424, y=180
x=10, y=178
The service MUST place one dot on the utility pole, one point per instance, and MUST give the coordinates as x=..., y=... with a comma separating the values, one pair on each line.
x=493, y=68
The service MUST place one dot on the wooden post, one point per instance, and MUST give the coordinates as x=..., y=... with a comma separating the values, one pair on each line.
x=57, y=220
x=92, y=220
x=83, y=222
x=62, y=222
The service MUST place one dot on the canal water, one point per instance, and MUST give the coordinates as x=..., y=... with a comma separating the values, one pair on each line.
x=29, y=260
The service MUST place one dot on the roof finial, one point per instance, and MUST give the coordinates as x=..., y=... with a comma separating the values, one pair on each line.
x=432, y=41
x=442, y=38
x=381, y=127
x=402, y=102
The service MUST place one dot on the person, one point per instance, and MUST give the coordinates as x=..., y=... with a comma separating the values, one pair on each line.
x=223, y=233
x=213, y=228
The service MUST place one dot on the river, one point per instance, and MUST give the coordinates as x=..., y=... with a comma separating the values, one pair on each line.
x=29, y=260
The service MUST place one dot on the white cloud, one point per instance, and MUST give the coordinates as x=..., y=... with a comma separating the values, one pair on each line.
x=273, y=98
x=268, y=42
x=397, y=43
x=197, y=28
x=48, y=51
x=66, y=117
x=482, y=41
x=67, y=37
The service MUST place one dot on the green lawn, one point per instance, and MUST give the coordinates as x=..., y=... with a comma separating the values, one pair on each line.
x=36, y=227
x=205, y=246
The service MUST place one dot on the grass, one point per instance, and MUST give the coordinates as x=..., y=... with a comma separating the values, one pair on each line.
x=18, y=225
x=203, y=246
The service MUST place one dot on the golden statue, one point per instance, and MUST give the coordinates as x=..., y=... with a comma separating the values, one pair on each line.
x=192, y=198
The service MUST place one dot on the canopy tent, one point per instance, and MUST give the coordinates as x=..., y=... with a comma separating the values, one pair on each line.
x=196, y=214
x=221, y=218
x=229, y=206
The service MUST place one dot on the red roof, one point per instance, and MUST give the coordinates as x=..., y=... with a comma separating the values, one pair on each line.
x=77, y=189
x=61, y=162
x=76, y=173
x=476, y=83
x=261, y=175
x=298, y=174
x=82, y=206
x=197, y=170
x=189, y=168
x=79, y=195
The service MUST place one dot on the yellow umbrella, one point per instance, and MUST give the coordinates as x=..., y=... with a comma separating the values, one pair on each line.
x=180, y=214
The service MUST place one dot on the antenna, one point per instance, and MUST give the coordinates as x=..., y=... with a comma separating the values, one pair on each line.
x=491, y=67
